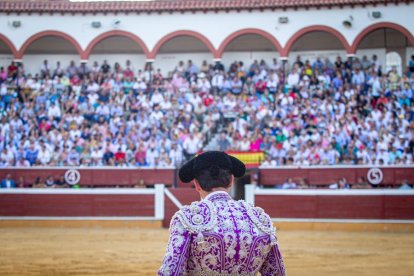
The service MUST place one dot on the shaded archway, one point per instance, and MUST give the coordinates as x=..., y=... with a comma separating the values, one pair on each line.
x=317, y=29
x=186, y=34
x=112, y=34
x=381, y=39
x=53, y=46
x=117, y=47
x=8, y=52
x=249, y=32
x=46, y=34
x=382, y=25
x=8, y=44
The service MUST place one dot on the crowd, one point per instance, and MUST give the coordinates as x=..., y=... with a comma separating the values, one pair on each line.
x=325, y=113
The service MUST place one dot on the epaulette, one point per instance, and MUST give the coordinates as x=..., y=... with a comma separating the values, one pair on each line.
x=261, y=220
x=198, y=217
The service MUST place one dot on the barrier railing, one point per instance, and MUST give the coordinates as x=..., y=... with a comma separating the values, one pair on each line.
x=377, y=205
x=314, y=176
x=82, y=204
x=321, y=176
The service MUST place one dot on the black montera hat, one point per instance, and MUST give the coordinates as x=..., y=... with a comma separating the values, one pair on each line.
x=209, y=160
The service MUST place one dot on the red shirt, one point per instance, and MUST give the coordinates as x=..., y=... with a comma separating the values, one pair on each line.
x=139, y=155
x=119, y=156
x=260, y=86
x=11, y=69
x=208, y=101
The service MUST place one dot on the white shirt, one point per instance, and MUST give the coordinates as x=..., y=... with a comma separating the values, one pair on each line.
x=192, y=145
x=293, y=79
x=44, y=157
x=54, y=111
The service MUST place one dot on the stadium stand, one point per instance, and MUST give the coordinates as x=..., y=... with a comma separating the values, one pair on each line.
x=326, y=113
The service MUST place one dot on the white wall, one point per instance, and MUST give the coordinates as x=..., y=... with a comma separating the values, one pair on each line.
x=167, y=62
x=215, y=26
x=33, y=63
x=312, y=55
x=137, y=60
x=248, y=57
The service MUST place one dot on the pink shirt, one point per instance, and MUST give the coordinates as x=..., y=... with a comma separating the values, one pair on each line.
x=255, y=145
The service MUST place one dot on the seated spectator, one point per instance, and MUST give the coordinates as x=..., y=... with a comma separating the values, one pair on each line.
x=61, y=182
x=223, y=142
x=8, y=182
x=289, y=184
x=341, y=184
x=21, y=183
x=140, y=184
x=269, y=162
x=361, y=184
x=50, y=182
x=38, y=183
x=405, y=185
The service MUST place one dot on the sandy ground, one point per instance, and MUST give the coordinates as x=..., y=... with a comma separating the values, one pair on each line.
x=58, y=251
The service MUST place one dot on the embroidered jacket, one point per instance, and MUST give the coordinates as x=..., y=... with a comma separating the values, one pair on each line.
x=221, y=236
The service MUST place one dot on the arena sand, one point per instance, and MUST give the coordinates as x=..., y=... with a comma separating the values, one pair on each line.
x=96, y=251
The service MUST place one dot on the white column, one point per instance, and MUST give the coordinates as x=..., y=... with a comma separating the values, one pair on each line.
x=159, y=201
x=249, y=193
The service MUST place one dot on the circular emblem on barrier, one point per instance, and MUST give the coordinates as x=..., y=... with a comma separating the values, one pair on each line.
x=72, y=176
x=375, y=176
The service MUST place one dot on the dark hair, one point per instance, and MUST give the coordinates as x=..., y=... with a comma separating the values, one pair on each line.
x=214, y=177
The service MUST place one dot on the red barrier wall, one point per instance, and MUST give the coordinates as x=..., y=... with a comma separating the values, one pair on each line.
x=323, y=176
x=185, y=196
x=72, y=205
x=383, y=207
x=99, y=177
x=314, y=176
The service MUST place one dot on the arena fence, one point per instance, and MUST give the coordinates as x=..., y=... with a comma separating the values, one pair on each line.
x=313, y=176
x=322, y=176
x=82, y=204
x=154, y=207
x=349, y=206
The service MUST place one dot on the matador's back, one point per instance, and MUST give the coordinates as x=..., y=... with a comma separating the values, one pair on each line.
x=221, y=236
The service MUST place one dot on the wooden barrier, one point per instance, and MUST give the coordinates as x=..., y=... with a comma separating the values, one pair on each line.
x=317, y=176
x=320, y=176
x=342, y=205
x=184, y=196
x=98, y=177
x=115, y=204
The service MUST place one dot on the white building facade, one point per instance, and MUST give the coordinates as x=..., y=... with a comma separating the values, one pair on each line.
x=165, y=33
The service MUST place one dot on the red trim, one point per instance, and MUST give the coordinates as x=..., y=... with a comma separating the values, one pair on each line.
x=103, y=36
x=315, y=28
x=40, y=35
x=9, y=44
x=172, y=35
x=236, y=34
x=377, y=26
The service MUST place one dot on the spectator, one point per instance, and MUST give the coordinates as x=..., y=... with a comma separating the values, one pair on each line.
x=61, y=182
x=50, y=182
x=405, y=185
x=289, y=184
x=21, y=183
x=223, y=142
x=341, y=184
x=192, y=145
x=8, y=182
x=38, y=183
x=361, y=184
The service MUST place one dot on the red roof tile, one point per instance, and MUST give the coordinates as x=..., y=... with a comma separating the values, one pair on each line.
x=60, y=6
